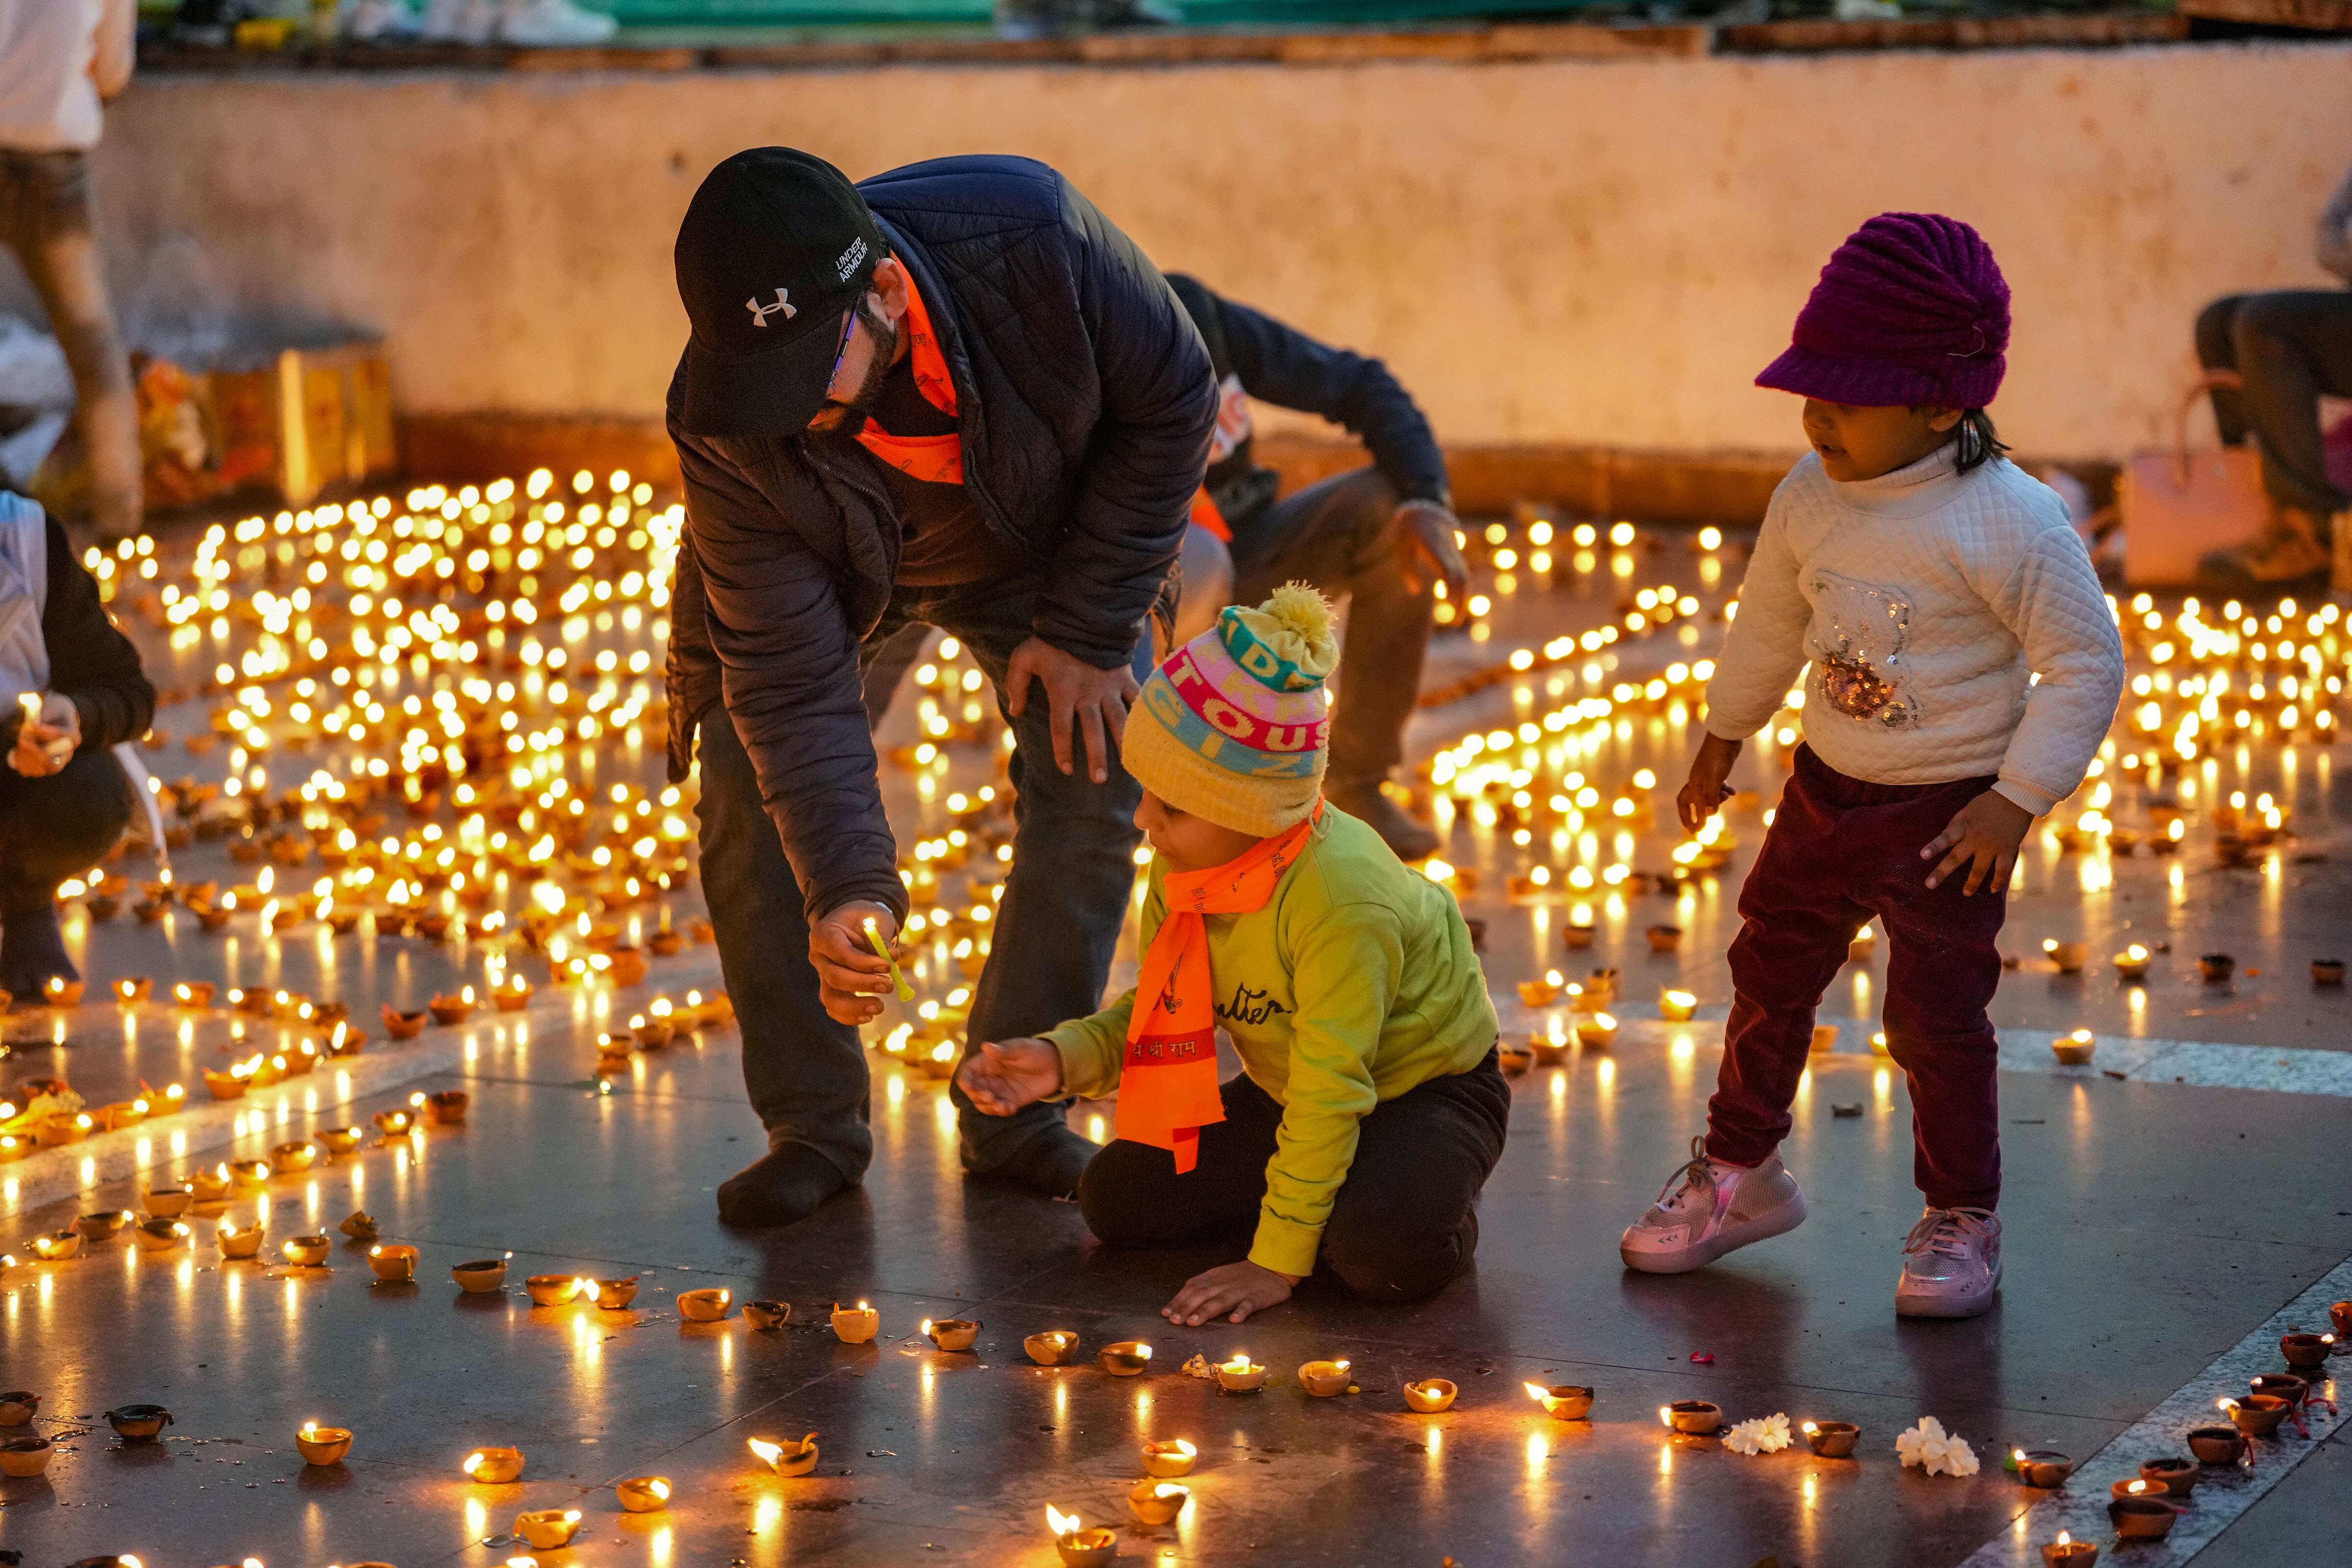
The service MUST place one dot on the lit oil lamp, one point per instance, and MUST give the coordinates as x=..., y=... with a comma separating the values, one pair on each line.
x=2068, y=1552
x=1692, y=1418
x=1169, y=1459
x=323, y=1446
x=856, y=1325
x=706, y=1306
x=56, y=1246
x=548, y=1528
x=1598, y=1032
x=1080, y=1547
x=1324, y=1378
x=493, y=1466
x=2042, y=1467
x=1832, y=1439
x=1241, y=1375
x=25, y=1457
x=2132, y=963
x=1561, y=1401
x=643, y=1494
x=393, y=1265
x=2075, y=1050
x=1052, y=1348
x=1128, y=1358
x=786, y=1458
x=340, y=1139
x=160, y=1235
x=235, y=1242
x=1429, y=1395
x=951, y=1333
x=480, y=1276
x=1677, y=1006
x=138, y=1423
x=2216, y=1444
x=305, y=1251
x=553, y=1289
x=1158, y=1502
x=613, y=1295
x=447, y=1106
x=19, y=1407
x=292, y=1159
x=767, y=1317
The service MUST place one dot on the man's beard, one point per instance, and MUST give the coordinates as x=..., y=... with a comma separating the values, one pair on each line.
x=858, y=406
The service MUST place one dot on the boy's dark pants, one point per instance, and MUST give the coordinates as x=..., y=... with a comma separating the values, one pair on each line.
x=1840, y=851
x=1403, y=1225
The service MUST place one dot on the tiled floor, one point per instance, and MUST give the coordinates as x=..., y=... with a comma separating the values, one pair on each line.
x=2152, y=1227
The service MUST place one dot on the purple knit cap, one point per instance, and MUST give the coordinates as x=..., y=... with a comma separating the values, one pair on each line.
x=1912, y=309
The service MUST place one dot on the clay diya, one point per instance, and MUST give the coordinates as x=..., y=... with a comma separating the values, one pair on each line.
x=25, y=1457
x=305, y=1251
x=340, y=1139
x=1241, y=1375
x=138, y=1423
x=1692, y=1418
x=480, y=1276
x=1051, y=1348
x=1128, y=1358
x=1429, y=1395
x=856, y=1325
x=1078, y=1545
x=2306, y=1350
x=786, y=1458
x=2216, y=1444
x=1158, y=1502
x=1832, y=1439
x=1171, y=1458
x=552, y=1290
x=951, y=1333
x=613, y=1295
x=394, y=1264
x=643, y=1494
x=2141, y=1519
x=2177, y=1476
x=235, y=1242
x=493, y=1466
x=548, y=1528
x=2075, y=1050
x=168, y=1203
x=767, y=1317
x=706, y=1306
x=19, y=1407
x=448, y=1107
x=2043, y=1468
x=323, y=1446
x=1561, y=1401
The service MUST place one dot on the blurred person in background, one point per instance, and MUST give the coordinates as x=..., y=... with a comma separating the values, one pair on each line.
x=73, y=689
x=59, y=62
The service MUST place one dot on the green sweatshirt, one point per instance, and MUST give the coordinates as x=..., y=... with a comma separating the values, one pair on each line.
x=1353, y=985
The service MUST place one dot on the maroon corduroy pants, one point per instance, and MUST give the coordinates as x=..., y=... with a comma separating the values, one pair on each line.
x=1837, y=852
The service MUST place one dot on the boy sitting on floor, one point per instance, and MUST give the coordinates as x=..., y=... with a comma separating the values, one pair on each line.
x=1370, y=1108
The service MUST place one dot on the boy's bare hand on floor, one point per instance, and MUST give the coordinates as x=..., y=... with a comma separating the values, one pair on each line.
x=1704, y=795
x=1237, y=1289
x=1003, y=1076
x=1983, y=836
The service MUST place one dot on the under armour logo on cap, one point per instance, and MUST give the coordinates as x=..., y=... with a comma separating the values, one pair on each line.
x=760, y=313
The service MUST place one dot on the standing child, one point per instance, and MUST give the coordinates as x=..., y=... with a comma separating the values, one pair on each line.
x=1930, y=583
x=1369, y=1109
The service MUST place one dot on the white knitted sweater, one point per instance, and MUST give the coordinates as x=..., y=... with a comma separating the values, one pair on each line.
x=1927, y=600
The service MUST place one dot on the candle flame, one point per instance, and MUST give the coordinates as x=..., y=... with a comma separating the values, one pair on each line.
x=1061, y=1524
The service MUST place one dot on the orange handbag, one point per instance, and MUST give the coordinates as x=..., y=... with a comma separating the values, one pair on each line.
x=2177, y=505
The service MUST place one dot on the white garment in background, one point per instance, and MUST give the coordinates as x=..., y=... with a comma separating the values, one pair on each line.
x=1927, y=600
x=58, y=60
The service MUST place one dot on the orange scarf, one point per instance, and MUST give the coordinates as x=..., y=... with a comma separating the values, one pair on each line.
x=934, y=459
x=1167, y=1084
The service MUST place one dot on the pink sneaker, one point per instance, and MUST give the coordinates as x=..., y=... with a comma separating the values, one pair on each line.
x=1710, y=1209
x=1951, y=1265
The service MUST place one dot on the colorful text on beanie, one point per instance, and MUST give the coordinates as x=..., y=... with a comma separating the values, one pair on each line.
x=1911, y=310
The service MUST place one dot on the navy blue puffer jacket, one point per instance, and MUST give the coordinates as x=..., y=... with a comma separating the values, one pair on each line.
x=1085, y=402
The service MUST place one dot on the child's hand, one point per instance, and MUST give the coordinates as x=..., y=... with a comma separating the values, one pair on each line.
x=1236, y=1288
x=1983, y=836
x=1003, y=1076
x=1705, y=792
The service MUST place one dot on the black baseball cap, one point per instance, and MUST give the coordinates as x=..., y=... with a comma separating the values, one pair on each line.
x=776, y=248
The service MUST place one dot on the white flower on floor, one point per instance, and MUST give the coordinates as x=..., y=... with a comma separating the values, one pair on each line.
x=1763, y=1435
x=1936, y=1451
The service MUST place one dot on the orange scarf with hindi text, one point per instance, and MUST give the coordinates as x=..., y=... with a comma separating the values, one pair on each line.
x=1168, y=1083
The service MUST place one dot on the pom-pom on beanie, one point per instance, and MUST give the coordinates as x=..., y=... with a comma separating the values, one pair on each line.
x=1912, y=310
x=1234, y=726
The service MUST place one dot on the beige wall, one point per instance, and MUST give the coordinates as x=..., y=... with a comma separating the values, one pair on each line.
x=1553, y=251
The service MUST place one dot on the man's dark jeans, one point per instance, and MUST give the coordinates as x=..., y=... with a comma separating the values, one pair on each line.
x=2289, y=347
x=1340, y=536
x=1065, y=901
x=58, y=826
